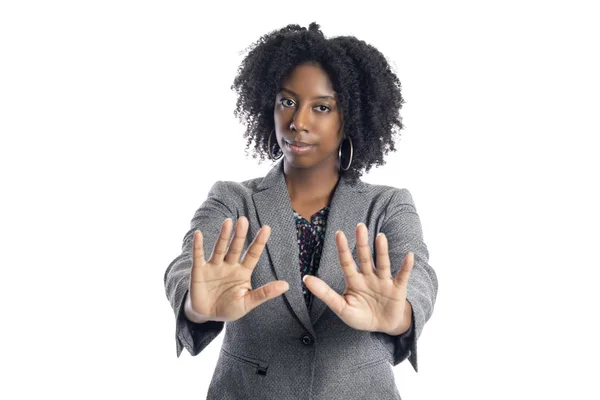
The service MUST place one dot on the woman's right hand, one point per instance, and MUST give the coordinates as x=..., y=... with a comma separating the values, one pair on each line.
x=220, y=289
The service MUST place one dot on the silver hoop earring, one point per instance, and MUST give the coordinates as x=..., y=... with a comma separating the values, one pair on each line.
x=269, y=148
x=351, y=154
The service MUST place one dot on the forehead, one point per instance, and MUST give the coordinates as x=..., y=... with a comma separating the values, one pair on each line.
x=308, y=78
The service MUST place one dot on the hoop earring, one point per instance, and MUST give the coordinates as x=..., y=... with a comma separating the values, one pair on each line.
x=269, y=148
x=351, y=154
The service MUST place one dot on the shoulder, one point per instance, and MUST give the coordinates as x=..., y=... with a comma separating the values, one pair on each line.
x=389, y=195
x=231, y=188
x=232, y=193
x=231, y=198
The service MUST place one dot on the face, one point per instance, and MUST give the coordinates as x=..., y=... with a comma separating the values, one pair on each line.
x=306, y=110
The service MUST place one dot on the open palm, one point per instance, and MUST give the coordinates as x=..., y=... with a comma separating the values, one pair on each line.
x=220, y=289
x=373, y=300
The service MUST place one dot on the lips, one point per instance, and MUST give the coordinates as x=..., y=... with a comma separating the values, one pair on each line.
x=299, y=144
x=300, y=149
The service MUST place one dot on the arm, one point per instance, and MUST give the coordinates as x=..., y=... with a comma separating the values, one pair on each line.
x=402, y=228
x=208, y=219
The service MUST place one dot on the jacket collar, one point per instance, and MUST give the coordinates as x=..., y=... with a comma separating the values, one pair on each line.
x=274, y=208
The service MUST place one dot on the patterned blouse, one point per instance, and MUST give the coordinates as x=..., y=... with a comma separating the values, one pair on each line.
x=311, y=235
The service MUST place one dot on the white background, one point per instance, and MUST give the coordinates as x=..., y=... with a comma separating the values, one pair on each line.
x=116, y=118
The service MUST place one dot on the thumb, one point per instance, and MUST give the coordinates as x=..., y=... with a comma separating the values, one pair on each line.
x=264, y=293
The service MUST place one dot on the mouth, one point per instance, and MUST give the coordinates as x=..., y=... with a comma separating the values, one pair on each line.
x=297, y=144
x=301, y=148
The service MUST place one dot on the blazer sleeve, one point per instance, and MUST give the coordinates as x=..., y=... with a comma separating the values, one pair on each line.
x=402, y=228
x=208, y=219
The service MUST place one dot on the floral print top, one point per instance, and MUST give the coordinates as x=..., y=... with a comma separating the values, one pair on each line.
x=311, y=235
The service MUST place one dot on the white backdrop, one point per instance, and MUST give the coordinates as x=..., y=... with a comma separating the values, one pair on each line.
x=116, y=118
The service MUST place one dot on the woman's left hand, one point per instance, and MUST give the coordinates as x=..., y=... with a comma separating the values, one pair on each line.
x=373, y=301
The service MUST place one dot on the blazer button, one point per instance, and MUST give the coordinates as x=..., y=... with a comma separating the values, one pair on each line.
x=307, y=340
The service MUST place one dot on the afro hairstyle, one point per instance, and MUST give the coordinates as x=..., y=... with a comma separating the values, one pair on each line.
x=368, y=92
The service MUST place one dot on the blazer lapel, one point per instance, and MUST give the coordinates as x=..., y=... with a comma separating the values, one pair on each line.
x=274, y=208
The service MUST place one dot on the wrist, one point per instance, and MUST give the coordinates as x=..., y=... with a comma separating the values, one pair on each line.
x=189, y=312
x=406, y=321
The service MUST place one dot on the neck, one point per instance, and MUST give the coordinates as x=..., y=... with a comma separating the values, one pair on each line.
x=310, y=183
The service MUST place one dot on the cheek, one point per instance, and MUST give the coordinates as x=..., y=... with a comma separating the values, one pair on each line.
x=282, y=114
x=332, y=125
x=277, y=116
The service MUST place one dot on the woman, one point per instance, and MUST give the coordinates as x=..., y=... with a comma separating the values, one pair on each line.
x=324, y=312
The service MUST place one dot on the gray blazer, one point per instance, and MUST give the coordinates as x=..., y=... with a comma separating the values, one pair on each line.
x=281, y=350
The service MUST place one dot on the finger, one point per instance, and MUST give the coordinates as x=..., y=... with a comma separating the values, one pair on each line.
x=364, y=250
x=197, y=256
x=383, y=269
x=325, y=293
x=250, y=258
x=220, y=247
x=345, y=256
x=237, y=243
x=258, y=296
x=197, y=249
x=401, y=279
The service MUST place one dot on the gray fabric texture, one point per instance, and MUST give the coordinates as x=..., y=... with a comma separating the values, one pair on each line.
x=281, y=349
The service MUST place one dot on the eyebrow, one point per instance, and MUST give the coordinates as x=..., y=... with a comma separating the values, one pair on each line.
x=314, y=98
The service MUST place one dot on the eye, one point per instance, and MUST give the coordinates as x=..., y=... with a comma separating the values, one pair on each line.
x=327, y=109
x=282, y=101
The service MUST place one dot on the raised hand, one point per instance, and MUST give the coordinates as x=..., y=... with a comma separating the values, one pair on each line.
x=373, y=300
x=220, y=289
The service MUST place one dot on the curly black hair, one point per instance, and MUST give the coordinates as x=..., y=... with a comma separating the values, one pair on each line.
x=368, y=91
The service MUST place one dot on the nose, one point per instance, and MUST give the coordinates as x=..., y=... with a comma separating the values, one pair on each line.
x=299, y=122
